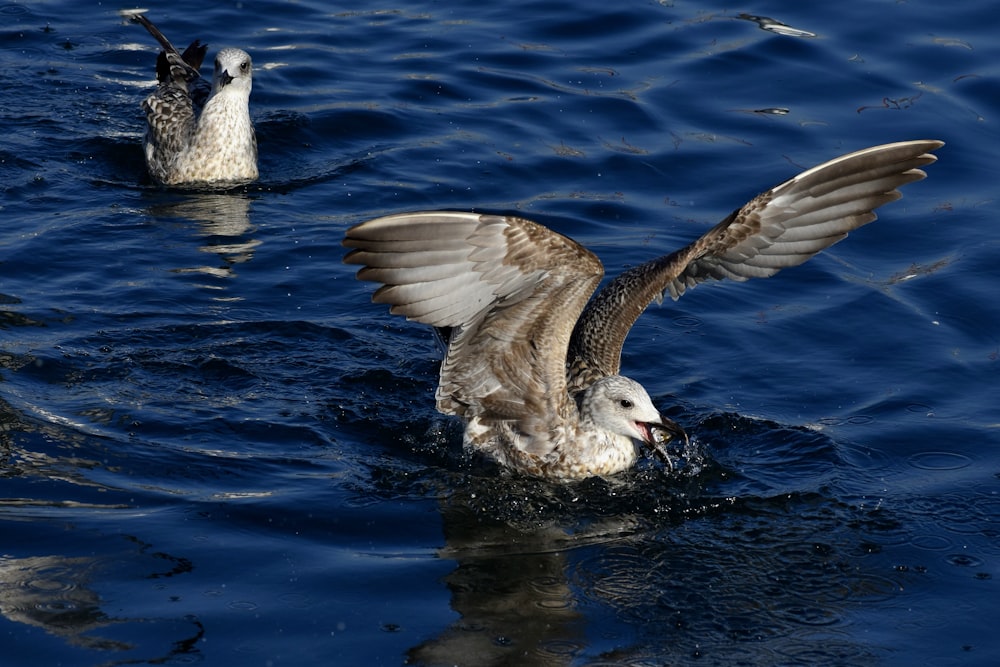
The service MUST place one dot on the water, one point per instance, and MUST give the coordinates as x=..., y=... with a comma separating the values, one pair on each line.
x=216, y=451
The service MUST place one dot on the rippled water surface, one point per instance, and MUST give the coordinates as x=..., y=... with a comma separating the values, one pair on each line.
x=215, y=450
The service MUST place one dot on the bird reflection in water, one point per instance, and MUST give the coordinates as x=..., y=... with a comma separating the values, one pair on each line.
x=58, y=594
x=511, y=590
x=649, y=569
x=224, y=220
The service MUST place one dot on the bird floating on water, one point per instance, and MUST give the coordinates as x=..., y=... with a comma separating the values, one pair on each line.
x=198, y=136
x=532, y=361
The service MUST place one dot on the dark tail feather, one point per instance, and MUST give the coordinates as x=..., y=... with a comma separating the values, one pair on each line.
x=155, y=32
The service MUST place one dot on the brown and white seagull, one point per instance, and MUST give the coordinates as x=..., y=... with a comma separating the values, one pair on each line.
x=198, y=136
x=532, y=362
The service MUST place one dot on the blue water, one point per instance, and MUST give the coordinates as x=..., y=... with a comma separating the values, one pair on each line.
x=215, y=450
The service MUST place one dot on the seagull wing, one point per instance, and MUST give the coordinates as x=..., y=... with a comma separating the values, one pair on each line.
x=182, y=66
x=509, y=290
x=172, y=110
x=185, y=73
x=779, y=228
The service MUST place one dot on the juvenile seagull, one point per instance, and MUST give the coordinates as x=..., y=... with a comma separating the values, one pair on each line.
x=531, y=366
x=196, y=137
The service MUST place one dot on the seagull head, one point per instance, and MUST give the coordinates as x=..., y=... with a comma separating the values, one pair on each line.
x=233, y=67
x=622, y=406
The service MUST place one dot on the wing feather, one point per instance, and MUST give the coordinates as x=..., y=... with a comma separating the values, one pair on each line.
x=782, y=227
x=508, y=290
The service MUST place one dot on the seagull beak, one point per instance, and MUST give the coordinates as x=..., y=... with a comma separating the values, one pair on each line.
x=225, y=79
x=658, y=435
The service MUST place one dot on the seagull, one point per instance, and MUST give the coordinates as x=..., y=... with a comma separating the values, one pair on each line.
x=196, y=136
x=532, y=361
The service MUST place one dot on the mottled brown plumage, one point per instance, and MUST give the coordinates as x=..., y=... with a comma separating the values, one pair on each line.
x=198, y=136
x=531, y=366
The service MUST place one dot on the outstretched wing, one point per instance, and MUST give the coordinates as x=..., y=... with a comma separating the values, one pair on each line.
x=509, y=290
x=779, y=228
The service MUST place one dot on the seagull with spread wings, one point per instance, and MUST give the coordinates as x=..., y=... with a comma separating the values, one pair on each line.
x=532, y=361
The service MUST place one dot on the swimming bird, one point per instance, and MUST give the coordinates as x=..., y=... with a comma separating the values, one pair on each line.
x=197, y=136
x=532, y=361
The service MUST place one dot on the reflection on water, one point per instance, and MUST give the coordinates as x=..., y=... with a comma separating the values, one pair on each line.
x=224, y=220
x=63, y=463
x=59, y=595
x=771, y=25
x=51, y=592
x=716, y=588
x=511, y=592
x=657, y=568
x=48, y=493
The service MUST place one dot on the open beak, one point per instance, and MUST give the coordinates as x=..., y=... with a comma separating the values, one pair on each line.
x=662, y=434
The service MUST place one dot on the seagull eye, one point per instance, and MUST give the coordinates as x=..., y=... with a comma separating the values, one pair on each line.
x=625, y=403
x=244, y=66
